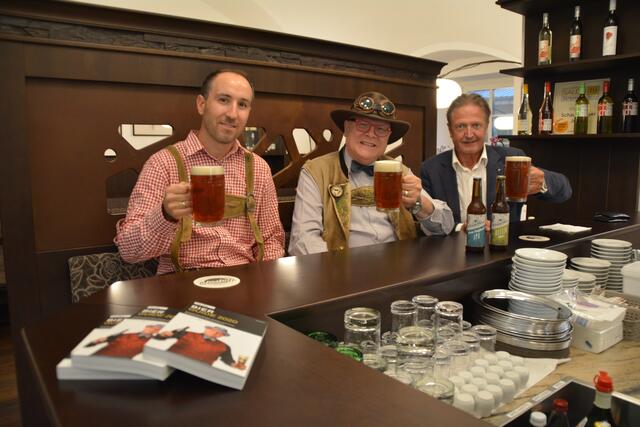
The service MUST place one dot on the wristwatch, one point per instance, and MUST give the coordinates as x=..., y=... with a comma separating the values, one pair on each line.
x=544, y=188
x=415, y=210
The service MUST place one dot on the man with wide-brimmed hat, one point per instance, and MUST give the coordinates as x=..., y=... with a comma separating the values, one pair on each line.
x=334, y=206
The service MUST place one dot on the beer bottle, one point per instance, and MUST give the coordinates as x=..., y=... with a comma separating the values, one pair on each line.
x=476, y=216
x=500, y=217
x=601, y=409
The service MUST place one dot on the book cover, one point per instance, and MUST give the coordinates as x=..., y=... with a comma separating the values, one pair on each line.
x=564, y=105
x=117, y=344
x=209, y=342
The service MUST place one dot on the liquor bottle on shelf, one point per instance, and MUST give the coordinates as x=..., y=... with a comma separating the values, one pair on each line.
x=500, y=217
x=581, y=119
x=601, y=409
x=559, y=417
x=545, y=115
x=575, y=37
x=605, y=110
x=476, y=216
x=610, y=31
x=544, y=41
x=630, y=109
x=524, y=113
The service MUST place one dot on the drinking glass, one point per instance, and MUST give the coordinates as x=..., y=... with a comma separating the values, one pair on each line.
x=448, y=313
x=459, y=353
x=207, y=195
x=487, y=336
x=414, y=342
x=361, y=324
x=426, y=305
x=517, y=176
x=441, y=363
x=403, y=313
x=440, y=388
x=387, y=184
x=473, y=341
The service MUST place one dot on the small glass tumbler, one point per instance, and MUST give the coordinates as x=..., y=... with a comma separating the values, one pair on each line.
x=441, y=364
x=390, y=354
x=361, y=324
x=473, y=341
x=403, y=313
x=487, y=336
x=426, y=305
x=449, y=313
x=414, y=342
x=417, y=368
x=440, y=388
x=446, y=333
x=459, y=353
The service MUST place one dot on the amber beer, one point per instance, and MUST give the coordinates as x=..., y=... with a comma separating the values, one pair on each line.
x=387, y=184
x=517, y=172
x=207, y=194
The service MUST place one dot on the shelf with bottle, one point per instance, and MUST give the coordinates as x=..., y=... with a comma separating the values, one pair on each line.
x=604, y=63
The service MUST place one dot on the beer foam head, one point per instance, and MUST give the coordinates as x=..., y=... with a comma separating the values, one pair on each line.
x=518, y=159
x=207, y=170
x=387, y=166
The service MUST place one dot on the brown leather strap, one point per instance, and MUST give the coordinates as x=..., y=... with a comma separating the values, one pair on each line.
x=183, y=232
x=250, y=204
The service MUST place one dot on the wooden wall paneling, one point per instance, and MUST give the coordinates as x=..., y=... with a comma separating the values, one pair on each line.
x=622, y=185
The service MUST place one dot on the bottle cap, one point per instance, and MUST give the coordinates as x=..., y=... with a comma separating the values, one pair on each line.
x=538, y=419
x=560, y=405
x=603, y=382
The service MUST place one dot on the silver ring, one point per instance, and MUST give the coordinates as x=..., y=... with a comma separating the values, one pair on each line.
x=184, y=204
x=406, y=193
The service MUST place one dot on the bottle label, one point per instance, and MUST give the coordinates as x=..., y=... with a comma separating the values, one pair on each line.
x=543, y=52
x=475, y=230
x=575, y=46
x=609, y=40
x=630, y=109
x=523, y=125
x=547, y=124
x=605, y=109
x=582, y=110
x=500, y=229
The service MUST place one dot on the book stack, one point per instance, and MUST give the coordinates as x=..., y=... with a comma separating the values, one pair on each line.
x=202, y=340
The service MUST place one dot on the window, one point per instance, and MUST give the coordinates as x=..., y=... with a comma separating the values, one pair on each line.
x=501, y=102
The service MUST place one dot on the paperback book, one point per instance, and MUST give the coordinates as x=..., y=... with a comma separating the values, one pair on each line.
x=117, y=344
x=211, y=343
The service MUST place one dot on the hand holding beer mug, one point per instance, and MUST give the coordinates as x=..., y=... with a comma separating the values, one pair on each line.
x=517, y=170
x=207, y=195
x=387, y=184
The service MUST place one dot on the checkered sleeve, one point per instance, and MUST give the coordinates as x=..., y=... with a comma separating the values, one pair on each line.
x=267, y=211
x=144, y=233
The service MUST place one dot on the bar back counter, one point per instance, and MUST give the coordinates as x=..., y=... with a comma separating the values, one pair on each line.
x=295, y=380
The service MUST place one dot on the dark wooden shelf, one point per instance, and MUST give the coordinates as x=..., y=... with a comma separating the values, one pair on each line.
x=621, y=137
x=529, y=7
x=586, y=65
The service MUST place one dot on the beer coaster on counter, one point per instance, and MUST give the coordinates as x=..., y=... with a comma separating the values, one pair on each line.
x=216, y=282
x=533, y=238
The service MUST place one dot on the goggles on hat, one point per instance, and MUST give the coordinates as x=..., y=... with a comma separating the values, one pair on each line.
x=366, y=104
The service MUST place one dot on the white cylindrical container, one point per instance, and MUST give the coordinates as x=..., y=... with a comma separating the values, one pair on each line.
x=484, y=403
x=496, y=390
x=465, y=402
x=508, y=390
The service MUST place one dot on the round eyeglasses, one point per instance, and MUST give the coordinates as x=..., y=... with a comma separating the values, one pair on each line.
x=367, y=104
x=364, y=127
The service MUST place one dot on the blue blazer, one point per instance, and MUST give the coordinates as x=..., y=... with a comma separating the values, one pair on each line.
x=439, y=180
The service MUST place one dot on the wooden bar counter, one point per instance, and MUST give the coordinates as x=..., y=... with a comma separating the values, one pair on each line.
x=294, y=381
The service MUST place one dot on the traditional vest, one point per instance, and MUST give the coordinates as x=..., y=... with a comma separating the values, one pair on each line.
x=234, y=206
x=337, y=198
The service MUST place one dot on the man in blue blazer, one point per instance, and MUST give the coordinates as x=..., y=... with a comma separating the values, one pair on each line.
x=449, y=175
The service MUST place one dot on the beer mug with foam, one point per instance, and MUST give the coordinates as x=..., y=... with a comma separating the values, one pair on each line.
x=517, y=172
x=387, y=184
x=207, y=195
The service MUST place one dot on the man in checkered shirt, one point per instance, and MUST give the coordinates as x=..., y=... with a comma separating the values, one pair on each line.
x=159, y=200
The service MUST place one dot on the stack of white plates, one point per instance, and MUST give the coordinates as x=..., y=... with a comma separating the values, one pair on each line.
x=618, y=253
x=570, y=279
x=597, y=267
x=538, y=272
x=586, y=281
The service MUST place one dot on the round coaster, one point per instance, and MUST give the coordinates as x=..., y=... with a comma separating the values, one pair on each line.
x=533, y=238
x=216, y=282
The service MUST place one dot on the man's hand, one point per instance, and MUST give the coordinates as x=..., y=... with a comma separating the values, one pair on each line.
x=536, y=179
x=177, y=201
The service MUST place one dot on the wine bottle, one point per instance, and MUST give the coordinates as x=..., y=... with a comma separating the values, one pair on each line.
x=559, y=417
x=605, y=110
x=524, y=113
x=575, y=37
x=581, y=119
x=544, y=41
x=545, y=115
x=601, y=409
x=630, y=109
x=610, y=31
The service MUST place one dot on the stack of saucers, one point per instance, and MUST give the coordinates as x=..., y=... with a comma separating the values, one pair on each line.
x=586, y=282
x=618, y=253
x=570, y=279
x=597, y=267
x=538, y=272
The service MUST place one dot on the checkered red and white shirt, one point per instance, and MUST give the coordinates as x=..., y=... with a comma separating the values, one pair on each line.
x=144, y=233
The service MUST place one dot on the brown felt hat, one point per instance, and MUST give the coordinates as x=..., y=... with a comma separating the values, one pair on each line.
x=375, y=106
